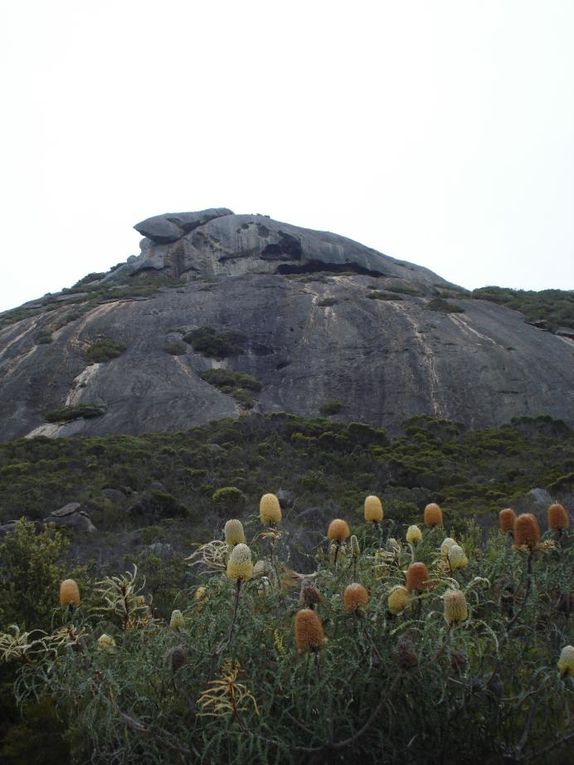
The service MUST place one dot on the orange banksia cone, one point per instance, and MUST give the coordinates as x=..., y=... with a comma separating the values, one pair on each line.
x=432, y=515
x=526, y=531
x=507, y=519
x=417, y=577
x=355, y=597
x=309, y=635
x=558, y=519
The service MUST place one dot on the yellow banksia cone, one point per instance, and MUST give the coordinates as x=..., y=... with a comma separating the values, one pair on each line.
x=414, y=535
x=507, y=519
x=239, y=565
x=106, y=643
x=200, y=593
x=558, y=519
x=432, y=515
x=457, y=557
x=309, y=635
x=373, y=509
x=338, y=530
x=69, y=593
x=446, y=545
x=417, y=577
x=455, y=607
x=398, y=599
x=526, y=531
x=566, y=661
x=355, y=597
x=177, y=620
x=269, y=510
x=233, y=531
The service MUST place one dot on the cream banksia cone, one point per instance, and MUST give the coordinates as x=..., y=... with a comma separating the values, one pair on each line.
x=373, y=509
x=414, y=535
x=558, y=519
x=106, y=643
x=418, y=578
x=338, y=530
x=455, y=607
x=398, y=599
x=506, y=520
x=526, y=531
x=69, y=593
x=309, y=635
x=566, y=661
x=177, y=620
x=269, y=510
x=457, y=557
x=355, y=598
x=432, y=515
x=233, y=531
x=445, y=546
x=239, y=565
x=355, y=546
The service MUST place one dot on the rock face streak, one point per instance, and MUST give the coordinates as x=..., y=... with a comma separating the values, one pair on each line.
x=324, y=319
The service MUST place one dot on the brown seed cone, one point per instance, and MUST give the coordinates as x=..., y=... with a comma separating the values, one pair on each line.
x=558, y=517
x=309, y=595
x=69, y=593
x=406, y=653
x=458, y=661
x=418, y=577
x=338, y=530
x=176, y=657
x=526, y=531
x=432, y=515
x=355, y=597
x=309, y=634
x=507, y=519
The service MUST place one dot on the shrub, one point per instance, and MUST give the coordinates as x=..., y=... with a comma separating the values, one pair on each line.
x=330, y=407
x=68, y=413
x=229, y=498
x=103, y=349
x=443, y=306
x=216, y=344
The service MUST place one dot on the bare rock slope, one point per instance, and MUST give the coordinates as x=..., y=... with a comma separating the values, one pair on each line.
x=223, y=314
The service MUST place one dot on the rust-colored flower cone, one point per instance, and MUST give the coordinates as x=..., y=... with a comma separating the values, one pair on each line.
x=338, y=530
x=432, y=515
x=309, y=595
x=355, y=597
x=507, y=519
x=418, y=577
x=309, y=634
x=526, y=531
x=558, y=519
x=69, y=593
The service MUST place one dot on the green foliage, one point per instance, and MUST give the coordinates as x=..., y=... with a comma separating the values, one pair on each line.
x=443, y=306
x=230, y=498
x=330, y=407
x=229, y=685
x=327, y=302
x=43, y=338
x=216, y=344
x=378, y=295
x=37, y=738
x=240, y=385
x=104, y=349
x=31, y=569
x=175, y=348
x=68, y=413
x=555, y=308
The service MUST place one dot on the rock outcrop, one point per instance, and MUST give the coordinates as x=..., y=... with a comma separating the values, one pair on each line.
x=222, y=314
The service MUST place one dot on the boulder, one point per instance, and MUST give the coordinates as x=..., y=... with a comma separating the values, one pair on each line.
x=71, y=516
x=170, y=227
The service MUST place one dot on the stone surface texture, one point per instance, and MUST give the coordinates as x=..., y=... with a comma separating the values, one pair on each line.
x=326, y=320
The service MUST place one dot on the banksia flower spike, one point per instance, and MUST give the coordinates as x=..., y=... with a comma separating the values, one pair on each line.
x=309, y=595
x=355, y=547
x=405, y=653
x=566, y=661
x=414, y=535
x=69, y=593
x=200, y=593
x=446, y=545
x=234, y=534
x=373, y=509
x=309, y=635
x=355, y=598
x=432, y=515
x=455, y=607
x=177, y=621
x=338, y=530
x=507, y=519
x=526, y=531
x=398, y=599
x=456, y=557
x=558, y=519
x=106, y=643
x=418, y=578
x=239, y=565
x=269, y=510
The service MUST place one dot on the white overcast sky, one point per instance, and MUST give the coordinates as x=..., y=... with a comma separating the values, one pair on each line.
x=440, y=132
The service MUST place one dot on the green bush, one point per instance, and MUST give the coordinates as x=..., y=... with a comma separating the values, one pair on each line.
x=104, y=349
x=230, y=498
x=443, y=306
x=330, y=407
x=216, y=344
x=68, y=413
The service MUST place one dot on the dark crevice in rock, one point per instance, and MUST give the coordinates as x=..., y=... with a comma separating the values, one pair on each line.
x=288, y=248
x=317, y=266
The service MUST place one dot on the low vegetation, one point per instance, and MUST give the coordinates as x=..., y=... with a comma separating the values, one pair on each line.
x=69, y=413
x=555, y=308
x=103, y=349
x=216, y=344
x=240, y=385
